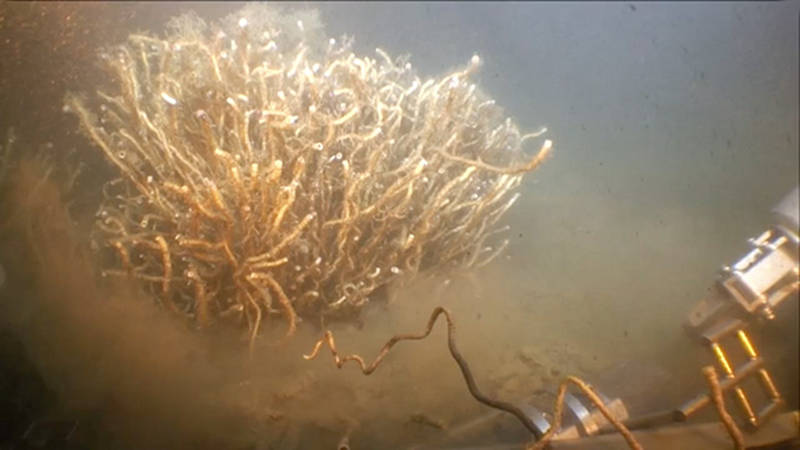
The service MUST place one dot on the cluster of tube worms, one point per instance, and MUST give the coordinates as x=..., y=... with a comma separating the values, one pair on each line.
x=263, y=176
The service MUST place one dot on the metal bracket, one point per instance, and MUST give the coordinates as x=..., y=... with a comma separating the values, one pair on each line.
x=581, y=420
x=754, y=366
x=766, y=275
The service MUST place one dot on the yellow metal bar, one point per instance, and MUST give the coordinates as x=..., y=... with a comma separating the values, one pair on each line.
x=745, y=404
x=723, y=360
x=769, y=386
x=748, y=346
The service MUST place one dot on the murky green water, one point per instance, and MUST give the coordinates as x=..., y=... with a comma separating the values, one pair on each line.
x=674, y=129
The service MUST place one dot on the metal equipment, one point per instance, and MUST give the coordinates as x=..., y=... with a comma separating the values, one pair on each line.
x=751, y=288
x=749, y=293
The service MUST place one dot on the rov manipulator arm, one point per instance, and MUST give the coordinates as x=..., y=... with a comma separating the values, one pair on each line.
x=747, y=293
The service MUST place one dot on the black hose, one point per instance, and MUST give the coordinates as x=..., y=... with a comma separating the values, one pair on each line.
x=472, y=386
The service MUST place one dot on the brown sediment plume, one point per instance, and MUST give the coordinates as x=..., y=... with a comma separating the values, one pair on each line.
x=264, y=171
x=88, y=343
